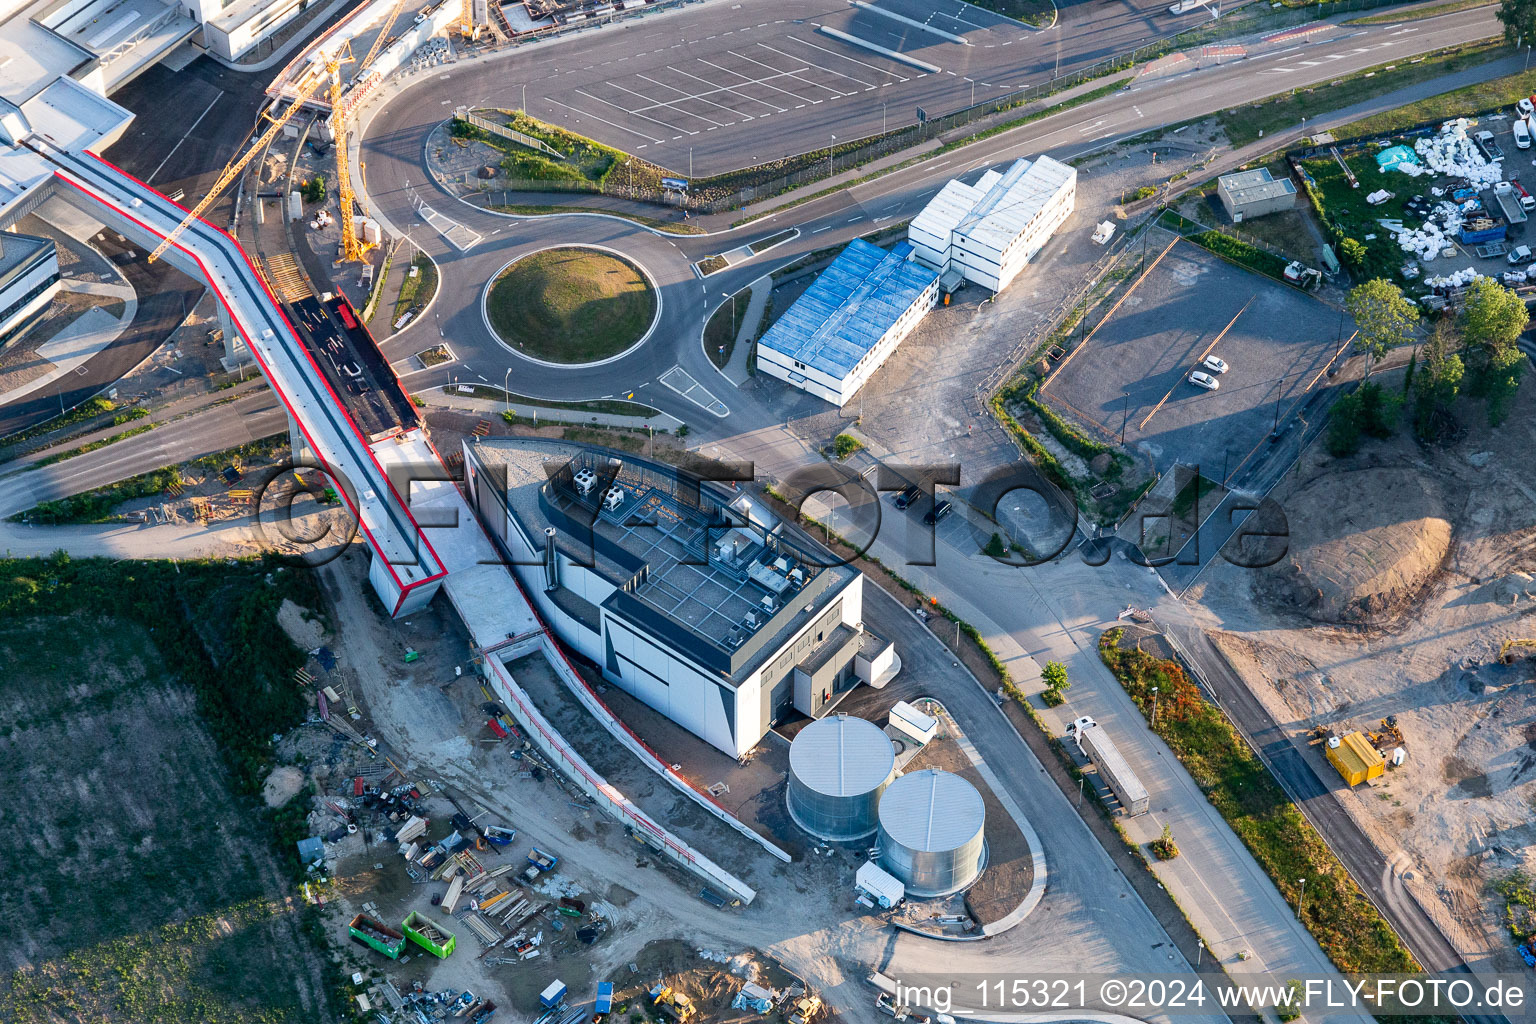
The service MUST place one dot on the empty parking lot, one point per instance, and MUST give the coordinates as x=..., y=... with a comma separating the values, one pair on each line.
x=761, y=80
x=1132, y=373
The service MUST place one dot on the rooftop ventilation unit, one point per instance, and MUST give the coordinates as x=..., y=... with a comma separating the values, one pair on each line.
x=585, y=480
x=614, y=498
x=749, y=620
x=767, y=604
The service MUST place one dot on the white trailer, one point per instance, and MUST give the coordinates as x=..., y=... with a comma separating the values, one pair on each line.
x=879, y=885
x=1113, y=768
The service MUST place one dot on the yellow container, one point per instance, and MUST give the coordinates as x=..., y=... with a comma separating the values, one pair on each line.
x=1356, y=760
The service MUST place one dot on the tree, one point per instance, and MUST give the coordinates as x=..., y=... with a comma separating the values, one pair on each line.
x=1437, y=381
x=1054, y=675
x=1384, y=319
x=1352, y=251
x=1491, y=320
x=314, y=190
x=1519, y=18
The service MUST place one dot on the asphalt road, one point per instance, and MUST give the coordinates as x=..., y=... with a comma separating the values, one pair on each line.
x=393, y=145
x=1364, y=861
x=202, y=433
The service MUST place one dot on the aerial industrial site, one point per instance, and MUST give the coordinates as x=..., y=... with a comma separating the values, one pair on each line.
x=694, y=511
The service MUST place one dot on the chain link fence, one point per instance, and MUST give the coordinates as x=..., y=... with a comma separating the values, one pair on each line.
x=737, y=189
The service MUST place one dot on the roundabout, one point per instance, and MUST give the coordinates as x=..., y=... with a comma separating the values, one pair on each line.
x=574, y=305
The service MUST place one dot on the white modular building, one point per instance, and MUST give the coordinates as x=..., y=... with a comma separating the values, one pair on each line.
x=849, y=321
x=989, y=231
x=696, y=602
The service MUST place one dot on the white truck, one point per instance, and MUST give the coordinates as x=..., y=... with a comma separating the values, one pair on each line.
x=1113, y=768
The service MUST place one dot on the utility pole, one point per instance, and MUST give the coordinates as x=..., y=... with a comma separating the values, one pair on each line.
x=1125, y=417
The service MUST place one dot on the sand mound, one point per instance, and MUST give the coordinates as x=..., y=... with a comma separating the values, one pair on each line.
x=1363, y=544
x=282, y=785
x=305, y=633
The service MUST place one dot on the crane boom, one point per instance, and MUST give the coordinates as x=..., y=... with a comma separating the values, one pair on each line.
x=378, y=43
x=231, y=172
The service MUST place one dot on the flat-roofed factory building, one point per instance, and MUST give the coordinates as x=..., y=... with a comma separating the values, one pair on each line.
x=694, y=600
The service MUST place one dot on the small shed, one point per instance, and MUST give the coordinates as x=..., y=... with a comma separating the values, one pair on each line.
x=880, y=885
x=1248, y=194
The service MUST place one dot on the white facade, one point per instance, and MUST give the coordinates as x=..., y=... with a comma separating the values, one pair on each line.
x=24, y=290
x=840, y=331
x=667, y=673
x=991, y=230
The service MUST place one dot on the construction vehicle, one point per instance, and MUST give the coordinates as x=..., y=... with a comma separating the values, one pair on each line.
x=1302, y=276
x=672, y=1004
x=1508, y=647
x=805, y=1010
x=375, y=934
x=332, y=66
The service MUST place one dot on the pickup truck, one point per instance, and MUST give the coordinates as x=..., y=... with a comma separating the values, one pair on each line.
x=1486, y=143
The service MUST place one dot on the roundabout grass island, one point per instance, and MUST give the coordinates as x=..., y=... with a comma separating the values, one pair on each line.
x=571, y=305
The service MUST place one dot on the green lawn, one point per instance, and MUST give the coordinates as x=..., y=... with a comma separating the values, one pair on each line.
x=1420, y=14
x=1249, y=122
x=1342, y=919
x=1467, y=101
x=724, y=326
x=416, y=290
x=100, y=504
x=571, y=305
x=1031, y=12
x=1347, y=209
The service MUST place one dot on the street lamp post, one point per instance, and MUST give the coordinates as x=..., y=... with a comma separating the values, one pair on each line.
x=1154, y=707
x=506, y=392
x=1301, y=899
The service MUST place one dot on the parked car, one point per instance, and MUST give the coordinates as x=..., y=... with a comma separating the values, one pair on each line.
x=907, y=497
x=1519, y=254
x=1201, y=379
x=939, y=511
x=1215, y=364
x=1522, y=134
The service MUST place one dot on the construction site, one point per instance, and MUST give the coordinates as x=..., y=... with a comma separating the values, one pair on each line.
x=1393, y=643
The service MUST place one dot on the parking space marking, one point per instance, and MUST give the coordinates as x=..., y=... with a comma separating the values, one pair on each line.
x=656, y=104
x=867, y=86
x=764, y=82
x=793, y=74
x=899, y=77
x=1201, y=358
x=727, y=88
x=701, y=97
x=611, y=124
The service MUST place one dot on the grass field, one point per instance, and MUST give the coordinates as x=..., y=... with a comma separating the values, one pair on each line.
x=724, y=325
x=571, y=305
x=1468, y=101
x=1031, y=12
x=144, y=886
x=1418, y=14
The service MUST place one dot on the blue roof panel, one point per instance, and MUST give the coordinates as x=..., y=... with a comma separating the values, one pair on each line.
x=850, y=307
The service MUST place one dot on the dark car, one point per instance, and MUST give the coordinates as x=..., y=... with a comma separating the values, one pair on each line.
x=907, y=497
x=938, y=512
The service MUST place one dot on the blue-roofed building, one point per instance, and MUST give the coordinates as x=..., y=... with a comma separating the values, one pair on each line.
x=849, y=322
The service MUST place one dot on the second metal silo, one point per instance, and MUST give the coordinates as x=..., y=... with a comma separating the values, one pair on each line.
x=931, y=832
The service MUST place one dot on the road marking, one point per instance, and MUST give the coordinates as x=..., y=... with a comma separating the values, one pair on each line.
x=151, y=176
x=611, y=124
x=824, y=227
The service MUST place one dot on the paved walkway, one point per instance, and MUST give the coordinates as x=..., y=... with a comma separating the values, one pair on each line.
x=736, y=370
x=1056, y=612
x=491, y=408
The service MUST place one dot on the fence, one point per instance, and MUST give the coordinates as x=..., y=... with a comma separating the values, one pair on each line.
x=715, y=195
x=554, y=746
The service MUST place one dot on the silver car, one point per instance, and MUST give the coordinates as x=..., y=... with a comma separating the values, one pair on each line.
x=1201, y=379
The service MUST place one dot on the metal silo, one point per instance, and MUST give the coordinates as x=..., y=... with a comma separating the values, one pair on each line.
x=931, y=825
x=838, y=767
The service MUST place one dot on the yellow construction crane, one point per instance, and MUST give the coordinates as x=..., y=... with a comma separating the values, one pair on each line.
x=352, y=248
x=231, y=172
x=378, y=42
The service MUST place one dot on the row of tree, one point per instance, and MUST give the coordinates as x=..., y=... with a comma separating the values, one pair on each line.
x=1474, y=353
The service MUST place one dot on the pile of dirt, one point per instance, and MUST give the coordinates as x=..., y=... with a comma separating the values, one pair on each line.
x=1370, y=541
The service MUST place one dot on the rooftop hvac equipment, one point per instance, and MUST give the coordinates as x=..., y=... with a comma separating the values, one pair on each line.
x=931, y=832
x=585, y=480
x=838, y=768
x=614, y=498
